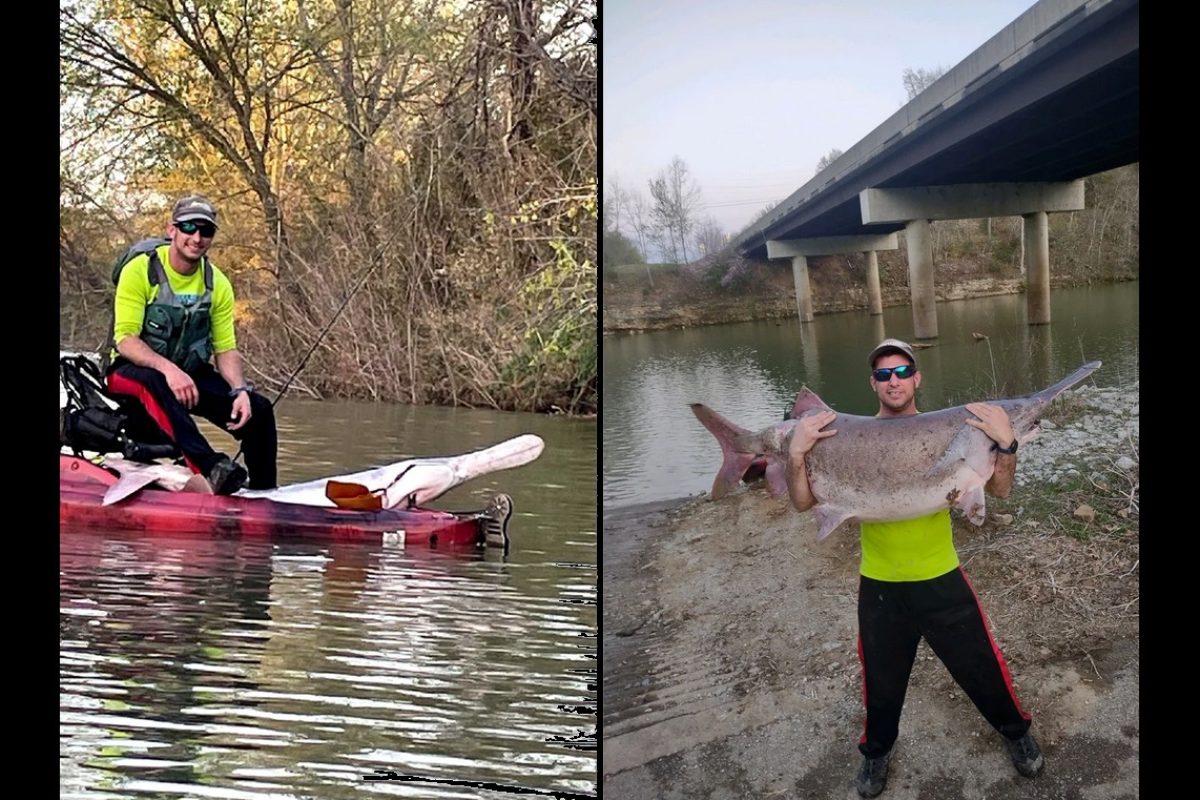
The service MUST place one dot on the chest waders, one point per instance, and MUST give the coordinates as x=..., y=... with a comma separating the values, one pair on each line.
x=178, y=332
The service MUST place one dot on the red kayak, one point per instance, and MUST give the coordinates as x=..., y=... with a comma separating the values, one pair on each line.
x=82, y=486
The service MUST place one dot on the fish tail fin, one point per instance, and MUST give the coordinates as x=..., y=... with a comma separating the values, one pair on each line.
x=734, y=463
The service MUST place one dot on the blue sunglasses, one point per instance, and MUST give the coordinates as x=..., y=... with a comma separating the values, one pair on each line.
x=902, y=372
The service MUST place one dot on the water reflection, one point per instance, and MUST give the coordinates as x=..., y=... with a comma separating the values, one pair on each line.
x=878, y=328
x=810, y=355
x=1039, y=341
x=241, y=669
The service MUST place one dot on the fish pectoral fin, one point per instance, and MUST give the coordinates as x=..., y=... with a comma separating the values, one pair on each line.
x=971, y=447
x=973, y=504
x=951, y=460
x=981, y=461
x=828, y=518
x=777, y=477
x=197, y=484
x=130, y=483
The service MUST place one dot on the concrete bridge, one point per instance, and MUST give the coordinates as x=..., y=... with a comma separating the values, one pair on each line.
x=1011, y=130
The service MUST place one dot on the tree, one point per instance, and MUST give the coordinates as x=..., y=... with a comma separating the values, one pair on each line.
x=918, y=80
x=640, y=221
x=618, y=250
x=616, y=199
x=186, y=70
x=675, y=197
x=710, y=237
x=827, y=159
x=374, y=60
x=393, y=165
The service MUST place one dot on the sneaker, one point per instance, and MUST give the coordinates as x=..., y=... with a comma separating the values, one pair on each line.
x=1026, y=755
x=227, y=476
x=872, y=776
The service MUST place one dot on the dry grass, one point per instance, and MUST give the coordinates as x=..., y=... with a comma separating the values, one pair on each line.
x=1070, y=580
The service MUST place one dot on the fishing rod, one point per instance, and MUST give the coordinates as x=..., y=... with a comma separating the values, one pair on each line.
x=321, y=336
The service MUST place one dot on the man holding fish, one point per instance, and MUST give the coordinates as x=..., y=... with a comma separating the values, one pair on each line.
x=912, y=585
x=897, y=474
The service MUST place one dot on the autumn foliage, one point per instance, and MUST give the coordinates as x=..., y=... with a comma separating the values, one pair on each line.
x=434, y=162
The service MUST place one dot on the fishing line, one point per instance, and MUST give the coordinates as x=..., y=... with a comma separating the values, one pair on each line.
x=321, y=336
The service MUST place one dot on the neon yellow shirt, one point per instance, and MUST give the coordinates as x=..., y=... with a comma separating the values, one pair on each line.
x=909, y=549
x=134, y=293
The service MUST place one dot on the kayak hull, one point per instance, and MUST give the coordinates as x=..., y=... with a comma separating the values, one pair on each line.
x=82, y=486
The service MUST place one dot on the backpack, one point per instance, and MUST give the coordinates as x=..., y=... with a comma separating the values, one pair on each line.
x=94, y=420
x=144, y=247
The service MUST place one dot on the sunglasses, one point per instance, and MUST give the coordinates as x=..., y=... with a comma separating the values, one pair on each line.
x=207, y=229
x=902, y=372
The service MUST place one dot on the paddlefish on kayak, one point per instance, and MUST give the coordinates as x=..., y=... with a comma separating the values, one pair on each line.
x=409, y=483
x=415, y=481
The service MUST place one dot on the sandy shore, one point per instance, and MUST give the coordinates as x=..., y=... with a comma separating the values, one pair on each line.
x=730, y=665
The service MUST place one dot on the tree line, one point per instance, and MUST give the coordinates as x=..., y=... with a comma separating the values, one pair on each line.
x=434, y=159
x=663, y=224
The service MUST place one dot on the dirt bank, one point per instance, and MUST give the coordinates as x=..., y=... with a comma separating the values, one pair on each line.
x=730, y=664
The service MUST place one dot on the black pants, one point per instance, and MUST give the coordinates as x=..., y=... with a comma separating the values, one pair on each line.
x=258, y=436
x=892, y=618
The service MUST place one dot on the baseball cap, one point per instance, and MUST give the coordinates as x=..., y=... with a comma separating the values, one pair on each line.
x=891, y=346
x=194, y=207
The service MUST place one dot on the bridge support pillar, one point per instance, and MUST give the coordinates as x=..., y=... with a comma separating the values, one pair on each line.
x=1037, y=272
x=920, y=278
x=798, y=250
x=874, y=296
x=803, y=292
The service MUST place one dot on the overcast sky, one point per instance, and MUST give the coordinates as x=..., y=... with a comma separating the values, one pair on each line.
x=751, y=95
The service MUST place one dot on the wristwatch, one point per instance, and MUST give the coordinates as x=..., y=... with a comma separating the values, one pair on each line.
x=1010, y=450
x=245, y=387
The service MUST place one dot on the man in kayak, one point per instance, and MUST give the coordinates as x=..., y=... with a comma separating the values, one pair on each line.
x=173, y=313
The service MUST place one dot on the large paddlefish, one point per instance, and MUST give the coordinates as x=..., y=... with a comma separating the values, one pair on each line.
x=877, y=469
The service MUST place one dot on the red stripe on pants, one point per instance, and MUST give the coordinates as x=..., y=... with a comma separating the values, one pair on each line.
x=119, y=384
x=987, y=628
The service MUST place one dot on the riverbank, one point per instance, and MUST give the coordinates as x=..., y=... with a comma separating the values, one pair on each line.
x=730, y=664
x=677, y=302
x=973, y=258
x=674, y=304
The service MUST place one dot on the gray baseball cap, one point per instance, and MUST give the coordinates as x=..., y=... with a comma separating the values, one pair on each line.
x=892, y=346
x=194, y=208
